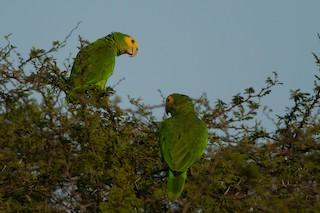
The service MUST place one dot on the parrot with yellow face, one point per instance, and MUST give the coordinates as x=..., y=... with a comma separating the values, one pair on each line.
x=95, y=63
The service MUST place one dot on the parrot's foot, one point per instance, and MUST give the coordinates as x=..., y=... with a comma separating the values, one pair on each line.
x=108, y=91
x=98, y=93
x=90, y=95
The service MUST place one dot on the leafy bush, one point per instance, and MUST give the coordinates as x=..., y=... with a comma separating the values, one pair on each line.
x=96, y=156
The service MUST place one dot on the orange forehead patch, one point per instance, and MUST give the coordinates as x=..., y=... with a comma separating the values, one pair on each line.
x=131, y=42
x=169, y=101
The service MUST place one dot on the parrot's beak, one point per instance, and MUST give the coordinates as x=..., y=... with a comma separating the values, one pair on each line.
x=167, y=110
x=132, y=51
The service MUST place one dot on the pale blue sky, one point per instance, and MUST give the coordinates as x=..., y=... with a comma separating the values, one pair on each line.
x=186, y=46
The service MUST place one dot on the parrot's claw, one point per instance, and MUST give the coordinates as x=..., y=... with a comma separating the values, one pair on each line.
x=108, y=91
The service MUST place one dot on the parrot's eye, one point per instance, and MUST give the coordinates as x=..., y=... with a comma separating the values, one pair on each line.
x=169, y=100
x=133, y=41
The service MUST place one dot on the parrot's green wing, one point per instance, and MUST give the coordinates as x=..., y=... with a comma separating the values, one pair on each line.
x=182, y=142
x=93, y=65
x=166, y=132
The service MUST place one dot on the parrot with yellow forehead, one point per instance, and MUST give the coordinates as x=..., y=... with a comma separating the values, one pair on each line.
x=183, y=139
x=95, y=63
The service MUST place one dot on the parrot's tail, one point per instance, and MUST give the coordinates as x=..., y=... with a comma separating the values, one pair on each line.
x=176, y=184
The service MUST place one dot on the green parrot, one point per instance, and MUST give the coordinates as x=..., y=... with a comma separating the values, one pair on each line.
x=94, y=63
x=183, y=139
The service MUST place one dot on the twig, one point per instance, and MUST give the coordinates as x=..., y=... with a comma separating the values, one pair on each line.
x=59, y=45
x=140, y=109
x=316, y=57
x=116, y=84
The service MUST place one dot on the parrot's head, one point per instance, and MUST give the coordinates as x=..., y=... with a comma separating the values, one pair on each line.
x=125, y=44
x=178, y=103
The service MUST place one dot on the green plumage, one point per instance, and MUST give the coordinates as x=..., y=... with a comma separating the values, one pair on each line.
x=183, y=139
x=95, y=62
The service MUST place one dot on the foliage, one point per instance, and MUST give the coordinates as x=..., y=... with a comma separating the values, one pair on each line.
x=95, y=156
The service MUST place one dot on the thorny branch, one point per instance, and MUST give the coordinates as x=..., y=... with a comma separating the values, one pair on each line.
x=56, y=45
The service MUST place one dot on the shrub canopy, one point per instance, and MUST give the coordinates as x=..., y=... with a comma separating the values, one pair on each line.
x=96, y=156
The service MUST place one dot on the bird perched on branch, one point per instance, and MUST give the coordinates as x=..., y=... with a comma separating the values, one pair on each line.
x=183, y=139
x=95, y=62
